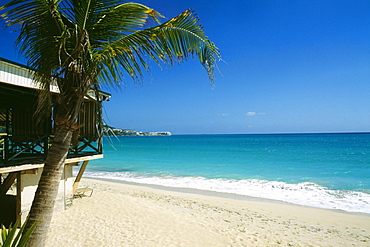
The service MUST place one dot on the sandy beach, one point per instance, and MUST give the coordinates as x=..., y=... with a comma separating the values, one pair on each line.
x=119, y=214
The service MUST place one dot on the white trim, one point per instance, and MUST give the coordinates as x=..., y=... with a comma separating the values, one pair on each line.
x=19, y=76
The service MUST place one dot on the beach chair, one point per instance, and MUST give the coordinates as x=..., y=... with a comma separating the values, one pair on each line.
x=81, y=192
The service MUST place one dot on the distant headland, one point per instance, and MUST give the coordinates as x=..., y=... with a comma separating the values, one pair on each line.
x=112, y=131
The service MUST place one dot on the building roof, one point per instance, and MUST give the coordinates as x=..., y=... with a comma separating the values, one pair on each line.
x=16, y=74
x=20, y=75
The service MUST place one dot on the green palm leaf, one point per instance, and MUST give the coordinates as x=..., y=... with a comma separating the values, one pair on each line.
x=174, y=41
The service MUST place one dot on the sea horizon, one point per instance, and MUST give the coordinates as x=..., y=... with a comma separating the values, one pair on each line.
x=275, y=133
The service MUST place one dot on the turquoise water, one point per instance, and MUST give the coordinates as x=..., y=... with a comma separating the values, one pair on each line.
x=320, y=170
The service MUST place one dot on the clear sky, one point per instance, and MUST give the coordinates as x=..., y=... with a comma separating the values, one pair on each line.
x=290, y=66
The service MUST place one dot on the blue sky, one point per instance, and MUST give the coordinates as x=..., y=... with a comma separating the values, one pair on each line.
x=290, y=66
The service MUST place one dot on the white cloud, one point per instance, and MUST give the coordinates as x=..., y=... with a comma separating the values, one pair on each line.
x=253, y=113
x=223, y=114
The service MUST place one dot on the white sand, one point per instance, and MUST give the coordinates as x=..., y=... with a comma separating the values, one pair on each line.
x=131, y=215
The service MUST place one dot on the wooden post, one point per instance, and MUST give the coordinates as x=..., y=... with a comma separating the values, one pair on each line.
x=79, y=175
x=19, y=197
x=6, y=139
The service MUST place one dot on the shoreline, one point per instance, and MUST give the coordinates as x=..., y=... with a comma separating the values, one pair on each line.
x=127, y=214
x=221, y=195
x=322, y=199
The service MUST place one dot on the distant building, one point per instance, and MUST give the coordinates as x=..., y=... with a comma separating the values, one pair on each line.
x=111, y=131
x=24, y=142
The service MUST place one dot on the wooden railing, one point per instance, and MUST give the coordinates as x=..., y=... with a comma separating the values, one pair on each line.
x=17, y=147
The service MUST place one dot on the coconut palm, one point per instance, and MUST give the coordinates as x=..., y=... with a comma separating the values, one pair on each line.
x=83, y=43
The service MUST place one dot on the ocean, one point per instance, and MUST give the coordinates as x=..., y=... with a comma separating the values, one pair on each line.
x=330, y=171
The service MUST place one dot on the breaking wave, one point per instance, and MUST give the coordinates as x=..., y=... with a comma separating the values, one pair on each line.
x=306, y=194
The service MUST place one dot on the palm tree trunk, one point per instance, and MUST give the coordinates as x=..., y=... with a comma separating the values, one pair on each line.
x=66, y=108
x=47, y=190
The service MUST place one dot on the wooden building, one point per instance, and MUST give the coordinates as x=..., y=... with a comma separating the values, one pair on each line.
x=24, y=142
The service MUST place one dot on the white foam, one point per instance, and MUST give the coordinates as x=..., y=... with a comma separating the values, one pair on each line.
x=307, y=194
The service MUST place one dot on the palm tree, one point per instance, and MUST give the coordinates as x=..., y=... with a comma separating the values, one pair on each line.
x=82, y=43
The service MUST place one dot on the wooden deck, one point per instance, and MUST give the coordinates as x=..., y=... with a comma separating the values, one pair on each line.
x=39, y=163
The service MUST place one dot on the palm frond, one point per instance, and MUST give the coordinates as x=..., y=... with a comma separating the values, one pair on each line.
x=113, y=23
x=105, y=38
x=171, y=42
